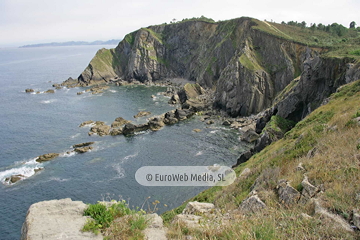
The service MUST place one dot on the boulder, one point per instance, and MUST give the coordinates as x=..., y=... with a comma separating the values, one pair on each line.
x=250, y=136
x=210, y=122
x=287, y=194
x=197, y=130
x=83, y=149
x=47, y=157
x=50, y=91
x=308, y=191
x=14, y=178
x=190, y=91
x=155, y=229
x=86, y=123
x=83, y=144
x=252, y=204
x=29, y=90
x=169, y=118
x=182, y=114
x=79, y=93
x=142, y=114
x=56, y=219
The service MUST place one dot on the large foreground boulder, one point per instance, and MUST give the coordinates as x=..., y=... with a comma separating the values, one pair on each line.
x=56, y=219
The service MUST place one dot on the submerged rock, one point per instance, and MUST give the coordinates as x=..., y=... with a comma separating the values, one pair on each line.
x=47, y=157
x=130, y=128
x=50, y=91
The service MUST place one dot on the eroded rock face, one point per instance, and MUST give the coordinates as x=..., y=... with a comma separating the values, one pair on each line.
x=56, y=219
x=47, y=157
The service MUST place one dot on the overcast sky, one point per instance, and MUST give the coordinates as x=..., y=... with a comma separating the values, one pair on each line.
x=39, y=21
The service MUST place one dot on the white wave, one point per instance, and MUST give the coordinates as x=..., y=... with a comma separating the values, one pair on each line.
x=76, y=135
x=129, y=157
x=199, y=153
x=26, y=169
x=58, y=179
x=113, y=91
x=68, y=154
x=49, y=101
x=214, y=131
x=120, y=171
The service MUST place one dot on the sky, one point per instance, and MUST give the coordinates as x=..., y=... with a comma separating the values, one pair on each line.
x=41, y=21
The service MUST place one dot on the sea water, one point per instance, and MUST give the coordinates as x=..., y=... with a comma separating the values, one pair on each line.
x=35, y=124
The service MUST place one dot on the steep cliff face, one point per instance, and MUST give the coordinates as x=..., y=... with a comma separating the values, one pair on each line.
x=245, y=66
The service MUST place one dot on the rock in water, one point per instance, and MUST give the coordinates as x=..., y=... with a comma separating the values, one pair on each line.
x=83, y=144
x=86, y=123
x=50, y=91
x=142, y=114
x=29, y=90
x=14, y=178
x=83, y=149
x=56, y=219
x=47, y=157
x=119, y=122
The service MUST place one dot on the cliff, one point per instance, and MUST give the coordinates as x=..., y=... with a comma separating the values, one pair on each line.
x=246, y=62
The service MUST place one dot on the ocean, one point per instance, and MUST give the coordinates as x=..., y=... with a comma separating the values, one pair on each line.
x=36, y=124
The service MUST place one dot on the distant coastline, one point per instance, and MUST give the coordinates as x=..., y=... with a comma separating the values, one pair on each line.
x=72, y=43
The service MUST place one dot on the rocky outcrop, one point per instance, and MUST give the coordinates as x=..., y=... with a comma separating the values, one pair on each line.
x=50, y=91
x=155, y=229
x=142, y=114
x=86, y=123
x=118, y=122
x=83, y=144
x=56, y=219
x=83, y=149
x=287, y=194
x=47, y=157
x=100, y=129
x=29, y=90
x=14, y=178
x=252, y=204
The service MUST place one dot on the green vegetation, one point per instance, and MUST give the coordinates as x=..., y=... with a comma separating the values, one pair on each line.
x=102, y=219
x=336, y=39
x=278, y=126
x=250, y=64
x=156, y=35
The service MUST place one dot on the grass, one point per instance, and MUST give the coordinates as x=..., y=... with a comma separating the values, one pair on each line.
x=335, y=166
x=249, y=63
x=117, y=221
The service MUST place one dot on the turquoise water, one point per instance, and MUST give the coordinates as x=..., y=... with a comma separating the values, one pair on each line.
x=35, y=124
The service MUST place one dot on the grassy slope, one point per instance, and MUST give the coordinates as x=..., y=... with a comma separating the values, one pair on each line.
x=345, y=46
x=335, y=166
